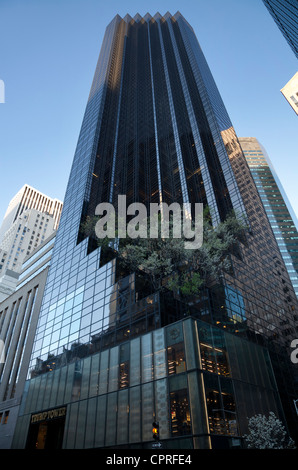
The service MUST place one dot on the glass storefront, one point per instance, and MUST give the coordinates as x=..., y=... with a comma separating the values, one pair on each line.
x=113, y=396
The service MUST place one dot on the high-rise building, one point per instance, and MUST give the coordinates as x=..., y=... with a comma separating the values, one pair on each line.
x=285, y=15
x=29, y=230
x=25, y=234
x=29, y=198
x=111, y=352
x=290, y=92
x=31, y=217
x=18, y=319
x=277, y=206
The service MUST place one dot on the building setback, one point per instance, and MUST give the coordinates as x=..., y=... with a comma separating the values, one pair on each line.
x=110, y=355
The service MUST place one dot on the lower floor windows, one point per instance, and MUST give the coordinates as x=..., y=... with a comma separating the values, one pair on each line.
x=4, y=417
x=180, y=413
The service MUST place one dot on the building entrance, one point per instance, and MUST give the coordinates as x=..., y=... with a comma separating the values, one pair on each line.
x=46, y=430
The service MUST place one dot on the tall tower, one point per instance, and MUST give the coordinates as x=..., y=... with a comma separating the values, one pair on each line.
x=277, y=206
x=29, y=198
x=30, y=218
x=285, y=15
x=110, y=357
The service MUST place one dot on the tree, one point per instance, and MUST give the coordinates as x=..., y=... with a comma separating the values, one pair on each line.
x=267, y=433
x=166, y=261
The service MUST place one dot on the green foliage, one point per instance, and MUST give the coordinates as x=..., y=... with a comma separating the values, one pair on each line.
x=168, y=263
x=191, y=284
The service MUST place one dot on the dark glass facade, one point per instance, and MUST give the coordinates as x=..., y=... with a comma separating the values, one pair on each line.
x=155, y=129
x=285, y=15
x=200, y=381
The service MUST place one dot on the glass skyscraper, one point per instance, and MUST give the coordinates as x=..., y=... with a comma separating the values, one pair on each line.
x=110, y=353
x=285, y=15
x=279, y=211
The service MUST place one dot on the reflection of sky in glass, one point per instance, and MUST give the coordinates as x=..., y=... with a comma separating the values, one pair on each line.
x=78, y=315
x=235, y=304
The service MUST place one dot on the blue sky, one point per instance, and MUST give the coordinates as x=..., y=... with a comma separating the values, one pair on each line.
x=48, y=54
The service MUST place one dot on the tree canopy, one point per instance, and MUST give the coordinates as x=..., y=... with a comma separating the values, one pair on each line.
x=167, y=262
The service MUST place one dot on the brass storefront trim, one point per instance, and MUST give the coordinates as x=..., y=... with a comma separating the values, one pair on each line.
x=49, y=415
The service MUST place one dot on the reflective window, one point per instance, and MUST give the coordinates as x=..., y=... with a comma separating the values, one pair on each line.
x=180, y=413
x=124, y=365
x=176, y=359
x=221, y=407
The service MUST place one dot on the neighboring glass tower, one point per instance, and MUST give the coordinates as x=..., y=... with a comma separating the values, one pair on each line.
x=285, y=15
x=111, y=354
x=277, y=206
